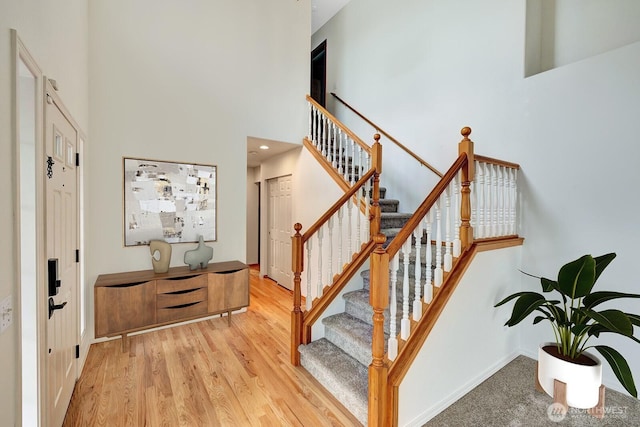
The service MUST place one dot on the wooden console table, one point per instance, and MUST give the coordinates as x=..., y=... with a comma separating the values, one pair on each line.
x=138, y=300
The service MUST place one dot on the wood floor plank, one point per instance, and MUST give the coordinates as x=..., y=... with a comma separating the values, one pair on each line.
x=207, y=374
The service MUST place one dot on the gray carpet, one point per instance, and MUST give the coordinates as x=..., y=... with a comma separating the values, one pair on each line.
x=509, y=399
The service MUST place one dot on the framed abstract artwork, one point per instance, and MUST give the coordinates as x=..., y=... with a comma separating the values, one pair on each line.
x=170, y=201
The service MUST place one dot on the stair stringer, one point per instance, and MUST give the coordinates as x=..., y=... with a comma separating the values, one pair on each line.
x=420, y=330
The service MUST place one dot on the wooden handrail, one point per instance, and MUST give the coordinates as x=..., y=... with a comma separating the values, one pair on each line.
x=392, y=139
x=422, y=210
x=334, y=208
x=339, y=124
x=498, y=162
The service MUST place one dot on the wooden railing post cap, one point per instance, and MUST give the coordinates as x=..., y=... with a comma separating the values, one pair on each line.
x=465, y=132
x=379, y=240
x=376, y=137
x=297, y=226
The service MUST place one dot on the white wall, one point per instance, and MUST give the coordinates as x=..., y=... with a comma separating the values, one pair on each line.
x=580, y=200
x=425, y=70
x=468, y=336
x=56, y=35
x=189, y=82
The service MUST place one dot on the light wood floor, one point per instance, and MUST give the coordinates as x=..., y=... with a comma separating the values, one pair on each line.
x=207, y=374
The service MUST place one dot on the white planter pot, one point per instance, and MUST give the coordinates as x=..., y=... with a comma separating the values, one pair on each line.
x=583, y=382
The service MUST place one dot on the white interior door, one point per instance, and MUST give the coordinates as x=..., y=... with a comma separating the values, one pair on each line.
x=61, y=211
x=280, y=231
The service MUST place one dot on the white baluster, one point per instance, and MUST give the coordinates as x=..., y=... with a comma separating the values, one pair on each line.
x=340, y=256
x=316, y=139
x=367, y=210
x=448, y=258
x=392, y=348
x=325, y=126
x=350, y=229
x=457, y=244
x=340, y=156
x=494, y=201
x=309, y=297
x=330, y=258
x=417, y=304
x=359, y=163
x=333, y=145
x=320, y=290
x=481, y=200
x=358, y=221
x=353, y=162
x=310, y=122
x=428, y=286
x=473, y=186
x=347, y=162
x=405, y=324
x=501, y=201
x=514, y=200
x=438, y=275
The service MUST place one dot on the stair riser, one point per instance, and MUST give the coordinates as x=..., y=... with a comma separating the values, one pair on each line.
x=396, y=221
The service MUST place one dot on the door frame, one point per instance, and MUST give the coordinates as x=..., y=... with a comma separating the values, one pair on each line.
x=21, y=54
x=319, y=58
x=267, y=198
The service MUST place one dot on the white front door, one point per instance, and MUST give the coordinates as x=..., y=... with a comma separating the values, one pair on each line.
x=280, y=231
x=61, y=211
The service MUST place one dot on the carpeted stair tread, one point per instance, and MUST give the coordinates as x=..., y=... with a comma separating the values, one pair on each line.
x=350, y=334
x=342, y=375
x=357, y=305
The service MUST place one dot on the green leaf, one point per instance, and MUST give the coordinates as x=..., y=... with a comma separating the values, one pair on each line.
x=510, y=297
x=597, y=298
x=613, y=320
x=620, y=368
x=579, y=329
x=539, y=319
x=524, y=306
x=548, y=285
x=635, y=319
x=602, y=262
x=576, y=279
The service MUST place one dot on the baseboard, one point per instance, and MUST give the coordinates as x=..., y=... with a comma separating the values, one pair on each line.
x=440, y=406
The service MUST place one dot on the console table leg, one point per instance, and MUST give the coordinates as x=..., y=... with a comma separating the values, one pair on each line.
x=229, y=318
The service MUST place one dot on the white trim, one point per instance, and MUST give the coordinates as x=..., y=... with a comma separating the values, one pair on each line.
x=21, y=54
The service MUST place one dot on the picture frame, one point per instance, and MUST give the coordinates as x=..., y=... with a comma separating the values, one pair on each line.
x=171, y=201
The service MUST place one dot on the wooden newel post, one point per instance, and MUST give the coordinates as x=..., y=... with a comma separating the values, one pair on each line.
x=468, y=171
x=297, y=265
x=379, y=300
x=374, y=211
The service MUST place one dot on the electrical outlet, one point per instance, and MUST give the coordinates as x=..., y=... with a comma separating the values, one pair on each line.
x=6, y=314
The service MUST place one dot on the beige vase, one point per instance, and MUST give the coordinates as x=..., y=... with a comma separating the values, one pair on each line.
x=163, y=250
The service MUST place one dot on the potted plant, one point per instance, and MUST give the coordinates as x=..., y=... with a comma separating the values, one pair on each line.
x=575, y=321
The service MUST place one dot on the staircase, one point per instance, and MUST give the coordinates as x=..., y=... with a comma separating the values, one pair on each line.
x=340, y=360
x=367, y=350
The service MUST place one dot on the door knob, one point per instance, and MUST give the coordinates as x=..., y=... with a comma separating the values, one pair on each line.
x=53, y=306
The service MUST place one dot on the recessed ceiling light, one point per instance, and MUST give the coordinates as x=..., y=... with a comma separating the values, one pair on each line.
x=264, y=147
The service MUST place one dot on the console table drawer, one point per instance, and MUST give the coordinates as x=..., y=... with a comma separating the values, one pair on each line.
x=176, y=298
x=165, y=286
x=181, y=312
